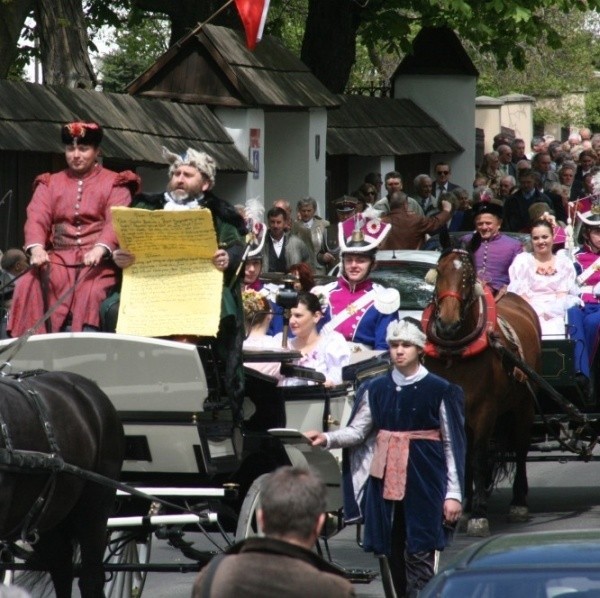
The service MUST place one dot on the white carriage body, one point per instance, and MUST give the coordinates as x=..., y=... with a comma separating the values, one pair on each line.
x=158, y=387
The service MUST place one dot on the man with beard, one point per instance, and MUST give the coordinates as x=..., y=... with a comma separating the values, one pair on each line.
x=191, y=178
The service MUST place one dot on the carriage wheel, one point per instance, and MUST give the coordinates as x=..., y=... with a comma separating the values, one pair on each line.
x=247, y=525
x=131, y=548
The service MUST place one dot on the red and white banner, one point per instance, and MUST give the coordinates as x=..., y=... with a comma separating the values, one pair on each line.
x=254, y=15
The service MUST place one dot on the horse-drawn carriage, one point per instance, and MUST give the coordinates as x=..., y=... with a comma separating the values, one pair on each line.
x=200, y=469
x=183, y=445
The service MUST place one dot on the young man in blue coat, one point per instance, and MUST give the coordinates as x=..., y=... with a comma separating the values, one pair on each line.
x=405, y=473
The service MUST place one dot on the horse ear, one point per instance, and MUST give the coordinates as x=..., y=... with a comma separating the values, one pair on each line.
x=431, y=276
x=474, y=244
x=445, y=241
x=478, y=289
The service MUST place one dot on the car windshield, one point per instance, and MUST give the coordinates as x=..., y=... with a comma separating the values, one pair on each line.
x=408, y=278
x=523, y=584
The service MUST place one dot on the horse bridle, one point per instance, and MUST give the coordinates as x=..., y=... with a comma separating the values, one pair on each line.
x=465, y=302
x=468, y=280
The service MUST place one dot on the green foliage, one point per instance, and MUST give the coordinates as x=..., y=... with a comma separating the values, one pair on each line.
x=138, y=48
x=592, y=110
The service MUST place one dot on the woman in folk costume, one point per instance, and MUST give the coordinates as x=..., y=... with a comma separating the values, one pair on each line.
x=70, y=238
x=358, y=308
x=404, y=475
x=584, y=322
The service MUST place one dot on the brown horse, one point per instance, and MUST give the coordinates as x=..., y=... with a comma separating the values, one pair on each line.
x=499, y=407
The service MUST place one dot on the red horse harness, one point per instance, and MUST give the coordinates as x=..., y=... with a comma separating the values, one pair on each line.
x=472, y=344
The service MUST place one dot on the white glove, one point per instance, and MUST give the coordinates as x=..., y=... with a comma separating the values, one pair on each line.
x=596, y=289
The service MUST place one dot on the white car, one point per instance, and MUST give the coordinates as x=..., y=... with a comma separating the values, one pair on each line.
x=405, y=270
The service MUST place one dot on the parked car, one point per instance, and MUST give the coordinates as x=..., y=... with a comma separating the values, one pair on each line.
x=525, y=565
x=405, y=270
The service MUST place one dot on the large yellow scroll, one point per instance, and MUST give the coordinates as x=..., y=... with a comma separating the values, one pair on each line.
x=173, y=287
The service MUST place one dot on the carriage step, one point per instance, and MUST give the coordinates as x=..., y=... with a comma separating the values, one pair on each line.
x=183, y=491
x=183, y=519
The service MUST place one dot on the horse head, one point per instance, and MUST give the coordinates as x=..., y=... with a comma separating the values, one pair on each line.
x=455, y=294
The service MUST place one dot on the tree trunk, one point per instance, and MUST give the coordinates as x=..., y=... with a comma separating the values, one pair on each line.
x=12, y=18
x=329, y=44
x=186, y=15
x=63, y=44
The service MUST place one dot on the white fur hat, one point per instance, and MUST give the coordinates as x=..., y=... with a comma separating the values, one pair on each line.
x=406, y=330
x=202, y=161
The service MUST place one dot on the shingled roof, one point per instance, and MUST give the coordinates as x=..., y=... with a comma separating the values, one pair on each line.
x=370, y=126
x=135, y=129
x=211, y=65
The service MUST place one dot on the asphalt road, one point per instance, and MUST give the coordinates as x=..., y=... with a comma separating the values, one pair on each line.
x=562, y=496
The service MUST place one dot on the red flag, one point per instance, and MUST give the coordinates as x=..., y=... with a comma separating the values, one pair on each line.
x=253, y=14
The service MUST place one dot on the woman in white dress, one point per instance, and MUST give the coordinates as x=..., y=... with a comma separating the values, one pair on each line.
x=544, y=279
x=327, y=352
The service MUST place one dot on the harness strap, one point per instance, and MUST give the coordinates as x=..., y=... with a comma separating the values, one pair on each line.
x=19, y=342
x=31, y=520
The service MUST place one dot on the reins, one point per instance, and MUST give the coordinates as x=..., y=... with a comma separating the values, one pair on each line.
x=21, y=340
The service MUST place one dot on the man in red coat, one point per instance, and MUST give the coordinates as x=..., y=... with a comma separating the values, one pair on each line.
x=69, y=238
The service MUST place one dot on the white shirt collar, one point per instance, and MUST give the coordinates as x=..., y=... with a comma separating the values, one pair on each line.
x=402, y=380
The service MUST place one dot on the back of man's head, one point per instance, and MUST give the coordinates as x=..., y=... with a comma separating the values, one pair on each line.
x=398, y=200
x=292, y=500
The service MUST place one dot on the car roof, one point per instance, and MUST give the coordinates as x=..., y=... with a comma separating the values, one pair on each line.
x=540, y=549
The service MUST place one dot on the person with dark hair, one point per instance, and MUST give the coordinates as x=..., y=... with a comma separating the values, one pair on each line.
x=282, y=563
x=303, y=275
x=366, y=193
x=442, y=184
x=374, y=178
x=69, y=226
x=404, y=474
x=493, y=251
x=393, y=184
x=544, y=279
x=281, y=248
x=326, y=352
x=518, y=151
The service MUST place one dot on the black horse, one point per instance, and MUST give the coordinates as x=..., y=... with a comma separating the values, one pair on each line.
x=68, y=416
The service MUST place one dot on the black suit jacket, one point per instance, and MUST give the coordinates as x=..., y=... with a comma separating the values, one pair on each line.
x=449, y=187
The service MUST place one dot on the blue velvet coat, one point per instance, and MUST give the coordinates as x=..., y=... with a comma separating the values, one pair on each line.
x=413, y=407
